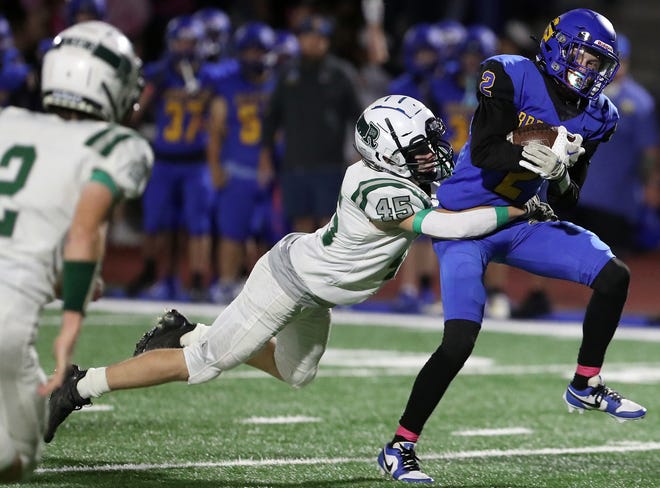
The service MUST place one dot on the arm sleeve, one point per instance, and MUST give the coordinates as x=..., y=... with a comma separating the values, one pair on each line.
x=459, y=225
x=495, y=116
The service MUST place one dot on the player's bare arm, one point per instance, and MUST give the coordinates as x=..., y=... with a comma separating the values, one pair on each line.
x=82, y=253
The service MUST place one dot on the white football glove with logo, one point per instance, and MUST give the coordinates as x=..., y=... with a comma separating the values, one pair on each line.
x=568, y=146
x=543, y=161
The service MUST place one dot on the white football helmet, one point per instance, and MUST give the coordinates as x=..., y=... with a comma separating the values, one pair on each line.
x=395, y=129
x=92, y=68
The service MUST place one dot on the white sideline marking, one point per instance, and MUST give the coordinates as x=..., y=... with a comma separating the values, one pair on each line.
x=291, y=419
x=623, y=447
x=124, y=309
x=97, y=408
x=493, y=432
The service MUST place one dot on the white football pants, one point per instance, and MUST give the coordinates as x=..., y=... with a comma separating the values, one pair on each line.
x=260, y=312
x=22, y=410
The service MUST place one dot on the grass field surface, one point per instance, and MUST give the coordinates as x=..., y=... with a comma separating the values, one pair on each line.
x=502, y=423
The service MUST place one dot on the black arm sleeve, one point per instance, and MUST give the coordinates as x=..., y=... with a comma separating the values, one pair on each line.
x=495, y=117
x=578, y=173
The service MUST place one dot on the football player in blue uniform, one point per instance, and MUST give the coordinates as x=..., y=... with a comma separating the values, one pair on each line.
x=233, y=150
x=14, y=72
x=422, y=45
x=215, y=46
x=562, y=87
x=179, y=192
x=82, y=10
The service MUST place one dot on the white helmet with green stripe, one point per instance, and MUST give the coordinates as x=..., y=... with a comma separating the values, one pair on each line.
x=396, y=133
x=92, y=68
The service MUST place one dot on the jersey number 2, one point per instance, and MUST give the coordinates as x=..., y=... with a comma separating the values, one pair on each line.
x=15, y=167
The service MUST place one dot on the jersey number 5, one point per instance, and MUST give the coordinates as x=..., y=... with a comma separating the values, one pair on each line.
x=15, y=167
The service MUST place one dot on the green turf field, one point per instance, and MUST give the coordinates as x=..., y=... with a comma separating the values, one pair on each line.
x=226, y=433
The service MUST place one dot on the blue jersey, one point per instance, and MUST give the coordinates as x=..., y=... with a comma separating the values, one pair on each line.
x=518, y=82
x=180, y=114
x=246, y=103
x=617, y=170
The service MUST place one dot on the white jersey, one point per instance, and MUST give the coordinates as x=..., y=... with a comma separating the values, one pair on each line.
x=44, y=163
x=350, y=258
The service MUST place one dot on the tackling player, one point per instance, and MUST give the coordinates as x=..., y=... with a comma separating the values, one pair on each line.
x=576, y=60
x=280, y=321
x=62, y=174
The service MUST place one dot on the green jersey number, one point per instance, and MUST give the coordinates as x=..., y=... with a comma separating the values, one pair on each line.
x=17, y=161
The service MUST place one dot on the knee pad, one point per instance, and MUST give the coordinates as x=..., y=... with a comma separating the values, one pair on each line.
x=459, y=339
x=613, y=279
x=298, y=373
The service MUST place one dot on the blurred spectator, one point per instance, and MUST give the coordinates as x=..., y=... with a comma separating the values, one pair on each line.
x=14, y=72
x=422, y=45
x=179, y=192
x=313, y=101
x=235, y=122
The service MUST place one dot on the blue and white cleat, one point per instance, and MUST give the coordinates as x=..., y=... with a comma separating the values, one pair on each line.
x=597, y=396
x=400, y=462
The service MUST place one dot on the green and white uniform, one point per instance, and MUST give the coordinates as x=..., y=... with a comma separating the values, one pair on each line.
x=44, y=163
x=292, y=288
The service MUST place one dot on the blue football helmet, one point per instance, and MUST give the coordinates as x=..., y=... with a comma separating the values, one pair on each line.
x=579, y=50
x=452, y=34
x=480, y=40
x=286, y=46
x=217, y=33
x=6, y=36
x=418, y=38
x=255, y=37
x=182, y=36
x=91, y=9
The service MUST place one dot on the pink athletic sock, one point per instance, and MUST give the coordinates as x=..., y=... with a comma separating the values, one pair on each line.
x=406, y=434
x=587, y=371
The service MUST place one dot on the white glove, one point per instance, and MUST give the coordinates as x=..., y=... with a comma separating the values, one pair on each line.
x=568, y=146
x=543, y=161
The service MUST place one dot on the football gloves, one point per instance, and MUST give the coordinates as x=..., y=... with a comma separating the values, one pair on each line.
x=538, y=211
x=552, y=163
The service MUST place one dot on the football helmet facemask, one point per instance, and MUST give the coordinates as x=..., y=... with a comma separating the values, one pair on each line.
x=579, y=49
x=399, y=135
x=92, y=68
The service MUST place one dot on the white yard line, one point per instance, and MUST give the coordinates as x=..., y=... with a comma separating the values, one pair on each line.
x=493, y=432
x=125, y=309
x=620, y=448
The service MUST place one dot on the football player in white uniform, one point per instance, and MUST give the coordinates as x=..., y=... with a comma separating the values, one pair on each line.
x=280, y=322
x=60, y=174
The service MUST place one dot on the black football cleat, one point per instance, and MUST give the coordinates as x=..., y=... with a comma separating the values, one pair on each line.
x=65, y=400
x=166, y=333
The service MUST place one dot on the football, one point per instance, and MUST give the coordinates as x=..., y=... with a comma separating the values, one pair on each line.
x=540, y=133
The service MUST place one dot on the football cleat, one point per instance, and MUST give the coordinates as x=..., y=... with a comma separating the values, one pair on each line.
x=65, y=400
x=400, y=462
x=597, y=396
x=166, y=334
